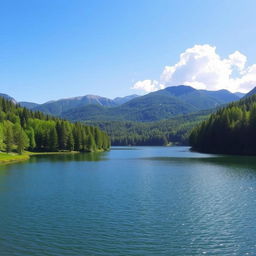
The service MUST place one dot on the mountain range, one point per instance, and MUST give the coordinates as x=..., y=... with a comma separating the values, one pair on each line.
x=58, y=107
x=159, y=105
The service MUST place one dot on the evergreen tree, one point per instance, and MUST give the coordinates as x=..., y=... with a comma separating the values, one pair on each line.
x=20, y=138
x=2, y=145
x=22, y=129
x=230, y=130
x=53, y=139
x=31, y=136
x=8, y=136
x=70, y=142
x=90, y=143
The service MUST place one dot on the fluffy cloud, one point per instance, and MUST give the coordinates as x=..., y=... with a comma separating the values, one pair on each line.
x=237, y=59
x=202, y=68
x=148, y=85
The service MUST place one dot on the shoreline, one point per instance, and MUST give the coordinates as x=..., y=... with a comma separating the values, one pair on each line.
x=11, y=158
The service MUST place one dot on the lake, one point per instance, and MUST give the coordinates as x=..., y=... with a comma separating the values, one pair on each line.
x=131, y=201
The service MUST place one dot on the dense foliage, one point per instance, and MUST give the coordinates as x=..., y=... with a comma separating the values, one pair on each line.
x=230, y=130
x=22, y=129
x=175, y=130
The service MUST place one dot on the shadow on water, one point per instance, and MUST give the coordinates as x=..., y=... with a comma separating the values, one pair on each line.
x=125, y=148
x=241, y=162
x=5, y=170
x=80, y=157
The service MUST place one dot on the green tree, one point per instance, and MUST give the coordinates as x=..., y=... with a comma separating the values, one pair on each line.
x=53, y=139
x=20, y=138
x=21, y=128
x=8, y=136
x=2, y=145
x=31, y=135
x=70, y=142
x=90, y=143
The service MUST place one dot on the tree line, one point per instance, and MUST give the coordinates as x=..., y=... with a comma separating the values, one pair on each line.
x=230, y=130
x=160, y=133
x=22, y=129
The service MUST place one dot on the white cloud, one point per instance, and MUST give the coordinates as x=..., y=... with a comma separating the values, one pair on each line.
x=202, y=68
x=237, y=59
x=248, y=79
x=148, y=85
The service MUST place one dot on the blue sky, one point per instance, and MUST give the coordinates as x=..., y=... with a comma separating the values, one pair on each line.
x=51, y=49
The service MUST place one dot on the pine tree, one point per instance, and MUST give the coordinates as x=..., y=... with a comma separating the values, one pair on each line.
x=20, y=138
x=70, y=143
x=21, y=129
x=31, y=135
x=2, y=145
x=8, y=134
x=53, y=138
x=90, y=144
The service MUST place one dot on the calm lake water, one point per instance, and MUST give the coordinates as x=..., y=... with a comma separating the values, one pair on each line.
x=129, y=202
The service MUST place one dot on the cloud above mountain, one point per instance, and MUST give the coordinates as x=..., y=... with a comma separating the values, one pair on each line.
x=148, y=85
x=202, y=68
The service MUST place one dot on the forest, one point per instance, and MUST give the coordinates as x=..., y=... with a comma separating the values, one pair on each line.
x=159, y=133
x=22, y=129
x=230, y=130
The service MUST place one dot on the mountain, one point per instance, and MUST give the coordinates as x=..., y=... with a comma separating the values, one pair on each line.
x=159, y=105
x=250, y=93
x=60, y=106
x=175, y=130
x=122, y=100
x=162, y=104
x=63, y=105
x=57, y=107
x=240, y=94
x=200, y=99
x=29, y=105
x=221, y=96
x=8, y=98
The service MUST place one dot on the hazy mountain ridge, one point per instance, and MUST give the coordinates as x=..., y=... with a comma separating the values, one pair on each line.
x=159, y=105
x=57, y=107
x=29, y=105
x=8, y=97
x=250, y=93
x=122, y=100
x=62, y=105
x=162, y=104
x=240, y=94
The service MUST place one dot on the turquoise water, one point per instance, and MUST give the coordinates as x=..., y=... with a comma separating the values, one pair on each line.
x=129, y=202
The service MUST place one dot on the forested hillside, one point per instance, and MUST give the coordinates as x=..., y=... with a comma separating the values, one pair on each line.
x=22, y=129
x=230, y=130
x=172, y=131
x=163, y=104
x=159, y=105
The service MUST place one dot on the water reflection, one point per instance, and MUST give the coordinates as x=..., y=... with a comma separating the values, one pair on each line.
x=151, y=201
x=233, y=162
x=79, y=157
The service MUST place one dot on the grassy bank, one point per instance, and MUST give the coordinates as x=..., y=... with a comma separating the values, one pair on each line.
x=7, y=158
x=12, y=158
x=50, y=153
